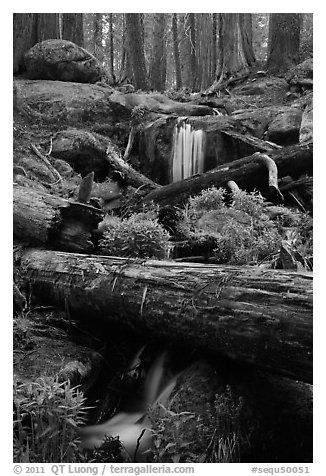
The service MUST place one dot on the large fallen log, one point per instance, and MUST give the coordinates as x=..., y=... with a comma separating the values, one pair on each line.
x=44, y=219
x=248, y=173
x=252, y=315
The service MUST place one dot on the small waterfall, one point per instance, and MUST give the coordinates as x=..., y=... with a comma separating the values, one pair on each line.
x=131, y=426
x=188, y=151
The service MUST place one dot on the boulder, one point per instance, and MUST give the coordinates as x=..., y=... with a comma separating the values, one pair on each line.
x=42, y=348
x=306, y=128
x=284, y=129
x=301, y=76
x=84, y=152
x=62, y=60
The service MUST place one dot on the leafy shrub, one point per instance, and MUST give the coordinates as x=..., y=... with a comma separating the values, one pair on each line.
x=206, y=201
x=46, y=419
x=242, y=232
x=184, y=437
x=139, y=236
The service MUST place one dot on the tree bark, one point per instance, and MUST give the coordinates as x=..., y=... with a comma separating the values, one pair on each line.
x=247, y=172
x=43, y=219
x=252, y=315
x=24, y=37
x=136, y=50
x=157, y=70
x=98, y=32
x=283, y=41
x=245, y=20
x=176, y=51
x=72, y=28
x=232, y=59
x=111, y=48
x=189, y=61
x=48, y=26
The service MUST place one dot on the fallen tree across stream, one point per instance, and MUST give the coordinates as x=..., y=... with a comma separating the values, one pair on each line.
x=248, y=173
x=252, y=315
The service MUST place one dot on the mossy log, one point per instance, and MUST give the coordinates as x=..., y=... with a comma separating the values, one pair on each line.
x=252, y=315
x=249, y=173
x=44, y=219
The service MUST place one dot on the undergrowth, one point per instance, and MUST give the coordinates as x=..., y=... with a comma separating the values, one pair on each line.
x=184, y=437
x=241, y=232
x=139, y=236
x=46, y=419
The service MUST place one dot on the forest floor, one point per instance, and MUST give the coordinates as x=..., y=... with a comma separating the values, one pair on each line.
x=48, y=341
x=263, y=92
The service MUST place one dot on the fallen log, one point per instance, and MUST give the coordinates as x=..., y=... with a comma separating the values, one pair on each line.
x=44, y=219
x=252, y=315
x=248, y=173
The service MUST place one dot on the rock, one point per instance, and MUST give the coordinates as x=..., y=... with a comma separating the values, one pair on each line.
x=306, y=128
x=62, y=60
x=259, y=86
x=58, y=101
x=43, y=349
x=284, y=129
x=84, y=152
x=301, y=75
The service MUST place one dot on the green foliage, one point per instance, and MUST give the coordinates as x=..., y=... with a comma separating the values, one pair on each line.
x=46, y=419
x=185, y=437
x=139, y=236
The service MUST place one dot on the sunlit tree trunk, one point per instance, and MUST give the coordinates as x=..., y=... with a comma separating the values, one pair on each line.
x=136, y=49
x=283, y=41
x=72, y=28
x=157, y=71
x=176, y=51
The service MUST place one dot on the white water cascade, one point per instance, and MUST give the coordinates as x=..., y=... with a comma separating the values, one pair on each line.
x=188, y=151
x=134, y=428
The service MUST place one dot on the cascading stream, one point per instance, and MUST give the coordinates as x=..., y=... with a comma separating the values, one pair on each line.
x=134, y=427
x=188, y=151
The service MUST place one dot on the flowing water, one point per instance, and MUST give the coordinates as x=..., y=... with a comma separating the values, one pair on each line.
x=130, y=426
x=188, y=151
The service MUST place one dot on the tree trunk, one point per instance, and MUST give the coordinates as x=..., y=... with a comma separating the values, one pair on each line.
x=283, y=41
x=246, y=172
x=246, y=32
x=72, y=28
x=136, y=50
x=98, y=49
x=232, y=60
x=24, y=37
x=176, y=50
x=189, y=52
x=252, y=315
x=157, y=71
x=47, y=26
x=214, y=45
x=42, y=219
x=126, y=73
x=111, y=48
